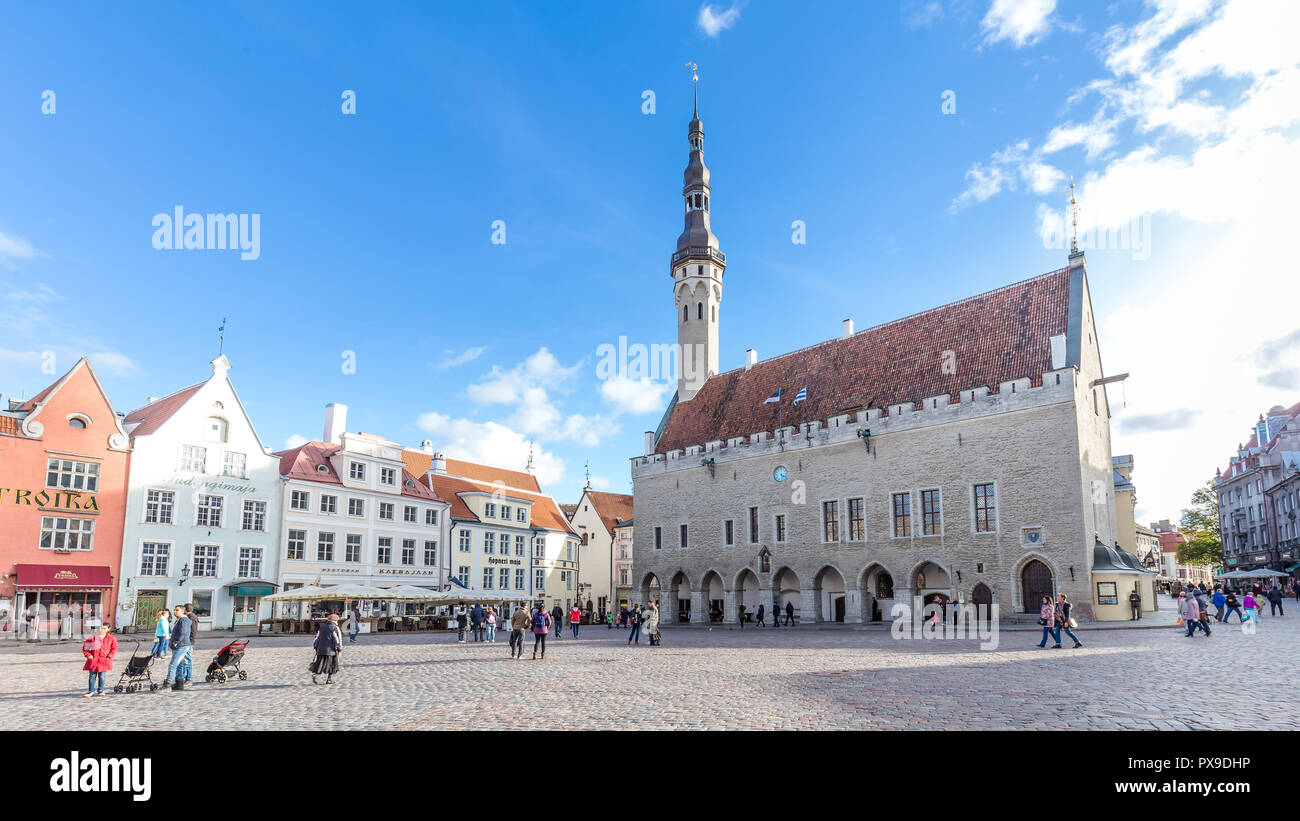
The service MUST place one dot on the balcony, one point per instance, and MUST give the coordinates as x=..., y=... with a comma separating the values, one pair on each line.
x=700, y=252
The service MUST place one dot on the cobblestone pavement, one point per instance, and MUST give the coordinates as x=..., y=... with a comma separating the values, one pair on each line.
x=699, y=679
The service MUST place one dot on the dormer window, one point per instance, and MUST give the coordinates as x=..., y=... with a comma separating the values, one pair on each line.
x=77, y=422
x=215, y=429
x=357, y=470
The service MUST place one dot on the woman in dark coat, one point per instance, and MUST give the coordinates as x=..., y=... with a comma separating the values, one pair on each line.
x=328, y=645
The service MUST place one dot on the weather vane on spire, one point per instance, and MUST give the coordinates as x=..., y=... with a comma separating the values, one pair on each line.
x=221, y=337
x=695, y=71
x=587, y=467
x=1074, y=220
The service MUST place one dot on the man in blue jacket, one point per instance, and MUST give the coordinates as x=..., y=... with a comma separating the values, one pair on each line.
x=476, y=618
x=182, y=644
x=1218, y=598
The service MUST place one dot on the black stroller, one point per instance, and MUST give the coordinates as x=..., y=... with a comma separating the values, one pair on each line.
x=226, y=663
x=136, y=674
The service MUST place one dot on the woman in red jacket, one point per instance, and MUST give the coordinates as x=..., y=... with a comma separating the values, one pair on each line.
x=99, y=650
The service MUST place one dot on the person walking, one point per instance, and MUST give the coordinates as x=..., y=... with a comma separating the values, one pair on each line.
x=162, y=629
x=1135, y=605
x=634, y=621
x=476, y=617
x=652, y=623
x=99, y=650
x=1218, y=599
x=1252, y=605
x=740, y=616
x=1234, y=606
x=328, y=645
x=519, y=622
x=776, y=614
x=1275, y=600
x=355, y=627
x=557, y=619
x=789, y=614
x=462, y=616
x=575, y=619
x=758, y=617
x=541, y=626
x=490, y=625
x=182, y=645
x=1192, y=615
x=188, y=667
x=1047, y=618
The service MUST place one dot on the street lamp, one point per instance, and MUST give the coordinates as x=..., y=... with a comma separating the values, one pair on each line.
x=185, y=576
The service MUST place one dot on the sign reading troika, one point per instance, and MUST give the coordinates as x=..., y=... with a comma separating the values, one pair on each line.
x=59, y=499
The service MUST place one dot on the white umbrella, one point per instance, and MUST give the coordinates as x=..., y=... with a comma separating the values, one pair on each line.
x=356, y=592
x=409, y=592
x=309, y=593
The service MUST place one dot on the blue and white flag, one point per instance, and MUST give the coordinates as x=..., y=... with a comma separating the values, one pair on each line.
x=802, y=395
x=776, y=397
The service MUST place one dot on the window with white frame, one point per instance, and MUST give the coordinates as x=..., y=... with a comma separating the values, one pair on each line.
x=931, y=513
x=408, y=551
x=254, y=515
x=159, y=506
x=356, y=507
x=250, y=562
x=324, y=547
x=521, y=546
x=357, y=470
x=66, y=533
x=489, y=574
x=296, y=545
x=466, y=541
x=352, y=547
x=830, y=521
x=504, y=542
x=986, y=509
x=385, y=550
x=410, y=514
x=386, y=511
x=539, y=581
x=521, y=578
x=193, y=458
x=299, y=500
x=155, y=558
x=462, y=573
x=206, y=559
x=388, y=476
x=431, y=517
x=902, y=503
x=505, y=512
x=857, y=520
x=503, y=578
x=329, y=504
x=236, y=465
x=521, y=515
x=490, y=510
x=430, y=553
x=208, y=513
x=489, y=543
x=622, y=577
x=70, y=474
x=539, y=547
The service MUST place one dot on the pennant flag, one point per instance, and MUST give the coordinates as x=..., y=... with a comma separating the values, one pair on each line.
x=802, y=395
x=776, y=397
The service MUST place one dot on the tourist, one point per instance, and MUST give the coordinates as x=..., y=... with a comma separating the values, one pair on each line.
x=609, y=621
x=490, y=623
x=1192, y=615
x=328, y=645
x=182, y=645
x=462, y=616
x=776, y=614
x=1218, y=599
x=634, y=621
x=542, y=622
x=1135, y=605
x=575, y=619
x=789, y=614
x=162, y=629
x=1047, y=618
x=557, y=619
x=188, y=667
x=1252, y=605
x=740, y=613
x=476, y=621
x=1275, y=600
x=623, y=621
x=1233, y=607
x=758, y=617
x=99, y=650
x=652, y=623
x=355, y=627
x=1064, y=623
x=519, y=622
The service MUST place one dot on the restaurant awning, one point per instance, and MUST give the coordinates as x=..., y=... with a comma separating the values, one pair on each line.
x=251, y=587
x=63, y=577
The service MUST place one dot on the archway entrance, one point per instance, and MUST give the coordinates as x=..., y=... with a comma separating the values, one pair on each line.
x=982, y=597
x=785, y=588
x=714, y=596
x=681, y=603
x=829, y=586
x=1035, y=582
x=747, y=593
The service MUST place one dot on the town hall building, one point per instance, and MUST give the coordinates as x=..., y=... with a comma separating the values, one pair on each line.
x=962, y=453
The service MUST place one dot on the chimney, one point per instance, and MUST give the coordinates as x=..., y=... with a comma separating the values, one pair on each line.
x=439, y=463
x=336, y=422
x=751, y=358
x=427, y=446
x=649, y=442
x=848, y=328
x=150, y=400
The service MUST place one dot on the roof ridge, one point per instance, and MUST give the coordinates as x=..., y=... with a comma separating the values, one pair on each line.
x=165, y=398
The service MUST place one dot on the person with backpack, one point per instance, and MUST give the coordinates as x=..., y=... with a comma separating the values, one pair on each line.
x=1233, y=606
x=476, y=621
x=1192, y=615
x=519, y=622
x=557, y=619
x=634, y=621
x=541, y=626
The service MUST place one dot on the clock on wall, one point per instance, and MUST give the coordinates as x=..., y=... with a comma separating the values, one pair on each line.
x=779, y=474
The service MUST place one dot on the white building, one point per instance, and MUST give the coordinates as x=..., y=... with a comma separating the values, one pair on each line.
x=353, y=513
x=203, y=507
x=595, y=517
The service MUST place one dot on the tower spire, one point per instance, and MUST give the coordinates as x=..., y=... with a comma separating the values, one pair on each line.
x=1074, y=220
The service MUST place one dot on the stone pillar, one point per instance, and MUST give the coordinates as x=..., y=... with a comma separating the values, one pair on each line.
x=730, y=613
x=699, y=610
x=808, y=604
x=902, y=595
x=853, y=601
x=767, y=598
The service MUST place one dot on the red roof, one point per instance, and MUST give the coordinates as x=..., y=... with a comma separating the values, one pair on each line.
x=611, y=507
x=151, y=416
x=995, y=337
x=545, y=512
x=305, y=461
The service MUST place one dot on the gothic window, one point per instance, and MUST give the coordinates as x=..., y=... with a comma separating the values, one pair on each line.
x=713, y=312
x=699, y=270
x=699, y=310
x=884, y=586
x=686, y=312
x=706, y=202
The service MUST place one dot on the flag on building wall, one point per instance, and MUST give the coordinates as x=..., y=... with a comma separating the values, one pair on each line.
x=802, y=395
x=776, y=397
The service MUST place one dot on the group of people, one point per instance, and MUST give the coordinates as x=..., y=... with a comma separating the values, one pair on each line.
x=1055, y=619
x=758, y=615
x=1194, y=602
x=173, y=635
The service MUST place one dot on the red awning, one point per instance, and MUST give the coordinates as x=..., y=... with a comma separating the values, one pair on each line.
x=63, y=577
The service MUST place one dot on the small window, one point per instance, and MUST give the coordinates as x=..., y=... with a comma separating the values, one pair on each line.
x=77, y=422
x=699, y=310
x=215, y=429
x=686, y=313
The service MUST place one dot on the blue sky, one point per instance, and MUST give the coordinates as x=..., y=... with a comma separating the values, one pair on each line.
x=1178, y=123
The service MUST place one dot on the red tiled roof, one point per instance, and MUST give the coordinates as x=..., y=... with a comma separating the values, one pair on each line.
x=151, y=416
x=611, y=507
x=545, y=512
x=489, y=474
x=40, y=397
x=304, y=461
x=995, y=337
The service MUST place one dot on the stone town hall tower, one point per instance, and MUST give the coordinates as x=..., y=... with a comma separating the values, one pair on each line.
x=697, y=267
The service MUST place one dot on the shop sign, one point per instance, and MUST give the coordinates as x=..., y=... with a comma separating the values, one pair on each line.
x=1107, y=593
x=403, y=571
x=44, y=499
x=215, y=484
x=516, y=562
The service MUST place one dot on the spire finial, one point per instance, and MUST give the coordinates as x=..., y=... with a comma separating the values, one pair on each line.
x=587, y=467
x=221, y=337
x=529, y=467
x=1074, y=220
x=695, y=84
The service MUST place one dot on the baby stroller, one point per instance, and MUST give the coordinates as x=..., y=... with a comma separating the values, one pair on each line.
x=226, y=663
x=654, y=638
x=136, y=674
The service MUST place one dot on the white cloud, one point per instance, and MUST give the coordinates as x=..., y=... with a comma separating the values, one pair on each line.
x=599, y=483
x=919, y=14
x=295, y=440
x=541, y=370
x=15, y=247
x=451, y=359
x=714, y=21
x=114, y=363
x=1023, y=22
x=490, y=443
x=635, y=396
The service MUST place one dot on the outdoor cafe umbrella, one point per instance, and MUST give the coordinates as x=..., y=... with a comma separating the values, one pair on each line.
x=308, y=593
x=411, y=593
x=356, y=592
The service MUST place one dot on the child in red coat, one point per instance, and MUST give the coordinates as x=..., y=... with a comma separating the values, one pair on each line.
x=99, y=650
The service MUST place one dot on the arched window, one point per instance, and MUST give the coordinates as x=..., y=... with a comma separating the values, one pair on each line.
x=713, y=312
x=215, y=429
x=884, y=586
x=686, y=312
x=77, y=422
x=699, y=310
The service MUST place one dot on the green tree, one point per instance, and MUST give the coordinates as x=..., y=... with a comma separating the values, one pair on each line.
x=1200, y=524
